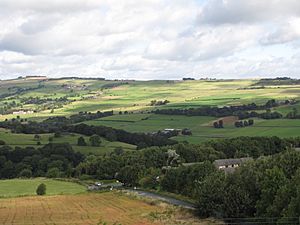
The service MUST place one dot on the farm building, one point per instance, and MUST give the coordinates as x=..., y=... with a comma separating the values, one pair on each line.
x=99, y=186
x=22, y=112
x=229, y=165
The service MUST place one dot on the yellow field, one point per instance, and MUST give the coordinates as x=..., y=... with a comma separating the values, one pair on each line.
x=109, y=208
x=75, y=209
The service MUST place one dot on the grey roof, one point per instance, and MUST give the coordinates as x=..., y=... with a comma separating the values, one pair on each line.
x=227, y=162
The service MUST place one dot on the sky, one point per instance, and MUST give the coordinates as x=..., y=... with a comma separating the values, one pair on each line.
x=150, y=39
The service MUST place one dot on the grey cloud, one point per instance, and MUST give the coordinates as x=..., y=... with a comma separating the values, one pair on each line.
x=218, y=12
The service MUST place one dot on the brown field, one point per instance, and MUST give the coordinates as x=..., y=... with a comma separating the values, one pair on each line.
x=228, y=120
x=76, y=209
x=108, y=208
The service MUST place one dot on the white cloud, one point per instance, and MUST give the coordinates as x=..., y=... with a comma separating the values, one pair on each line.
x=149, y=39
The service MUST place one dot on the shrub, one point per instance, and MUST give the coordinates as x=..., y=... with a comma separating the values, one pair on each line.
x=41, y=189
x=81, y=141
x=53, y=173
x=25, y=173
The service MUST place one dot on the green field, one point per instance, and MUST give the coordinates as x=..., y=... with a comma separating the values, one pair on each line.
x=201, y=126
x=25, y=187
x=135, y=97
x=24, y=140
x=152, y=122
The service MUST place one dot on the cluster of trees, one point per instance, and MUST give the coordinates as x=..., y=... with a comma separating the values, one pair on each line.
x=77, y=118
x=252, y=146
x=12, y=91
x=244, y=123
x=38, y=100
x=7, y=107
x=62, y=124
x=218, y=124
x=264, y=115
x=241, y=111
x=150, y=167
x=267, y=187
x=141, y=140
x=145, y=166
x=278, y=81
x=264, y=187
x=51, y=160
x=159, y=102
x=293, y=114
x=184, y=179
x=95, y=141
x=188, y=78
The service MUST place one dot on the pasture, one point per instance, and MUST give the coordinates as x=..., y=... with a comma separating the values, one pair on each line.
x=93, y=95
x=135, y=96
x=24, y=140
x=27, y=187
x=201, y=126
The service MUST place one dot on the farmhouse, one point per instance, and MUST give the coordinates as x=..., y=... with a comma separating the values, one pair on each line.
x=21, y=112
x=229, y=165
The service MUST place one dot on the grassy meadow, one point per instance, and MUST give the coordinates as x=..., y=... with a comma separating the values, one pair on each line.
x=24, y=140
x=27, y=187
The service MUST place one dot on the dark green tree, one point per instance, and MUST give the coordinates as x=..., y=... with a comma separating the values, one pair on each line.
x=41, y=189
x=81, y=141
x=95, y=140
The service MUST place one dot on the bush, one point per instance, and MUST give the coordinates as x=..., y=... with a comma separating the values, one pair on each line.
x=53, y=173
x=41, y=189
x=81, y=142
x=25, y=173
x=95, y=140
x=2, y=142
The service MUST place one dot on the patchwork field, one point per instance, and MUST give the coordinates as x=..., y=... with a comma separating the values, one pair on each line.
x=201, y=126
x=23, y=140
x=135, y=96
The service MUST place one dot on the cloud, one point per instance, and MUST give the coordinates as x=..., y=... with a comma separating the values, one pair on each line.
x=218, y=12
x=148, y=39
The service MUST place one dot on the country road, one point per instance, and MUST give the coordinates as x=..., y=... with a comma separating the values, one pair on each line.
x=160, y=197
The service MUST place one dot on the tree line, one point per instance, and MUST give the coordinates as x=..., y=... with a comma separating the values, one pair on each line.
x=51, y=160
x=266, y=187
x=242, y=111
x=63, y=124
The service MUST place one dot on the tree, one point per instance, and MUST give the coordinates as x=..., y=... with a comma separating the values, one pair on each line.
x=25, y=173
x=37, y=137
x=216, y=124
x=53, y=173
x=81, y=142
x=210, y=195
x=95, y=140
x=57, y=134
x=250, y=122
x=41, y=189
x=221, y=124
x=50, y=139
x=118, y=150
